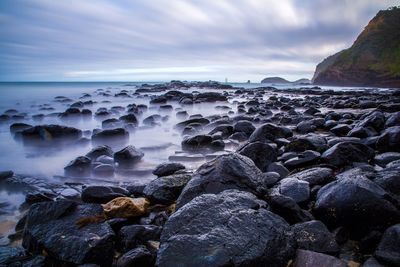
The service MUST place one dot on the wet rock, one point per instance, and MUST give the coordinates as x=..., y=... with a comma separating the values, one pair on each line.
x=210, y=97
x=314, y=176
x=389, y=179
x=306, y=127
x=111, y=123
x=261, y=154
x=126, y=207
x=166, y=189
x=102, y=194
x=245, y=127
x=388, y=251
x=356, y=202
x=307, y=142
x=52, y=227
x=341, y=129
x=130, y=118
x=10, y=255
x=6, y=174
x=104, y=160
x=110, y=136
x=197, y=143
x=345, y=153
x=269, y=132
x=294, y=188
x=138, y=257
x=314, y=236
x=288, y=209
x=385, y=158
x=128, y=156
x=369, y=125
x=132, y=236
x=306, y=258
x=227, y=222
x=100, y=151
x=168, y=168
x=79, y=167
x=372, y=262
x=393, y=120
x=50, y=135
x=19, y=126
x=303, y=159
x=389, y=140
x=232, y=171
x=278, y=168
x=201, y=121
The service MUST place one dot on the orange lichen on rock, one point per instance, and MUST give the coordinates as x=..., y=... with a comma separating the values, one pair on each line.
x=126, y=207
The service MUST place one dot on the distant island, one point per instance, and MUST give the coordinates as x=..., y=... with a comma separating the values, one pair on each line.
x=279, y=80
x=373, y=59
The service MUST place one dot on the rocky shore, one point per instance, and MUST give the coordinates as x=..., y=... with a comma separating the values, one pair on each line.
x=287, y=177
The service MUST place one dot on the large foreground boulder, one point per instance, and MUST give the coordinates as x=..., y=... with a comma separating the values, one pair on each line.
x=228, y=229
x=231, y=171
x=345, y=153
x=261, y=154
x=52, y=227
x=356, y=202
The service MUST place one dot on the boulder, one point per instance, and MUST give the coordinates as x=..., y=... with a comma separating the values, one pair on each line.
x=166, y=189
x=385, y=158
x=168, y=168
x=314, y=236
x=210, y=97
x=131, y=236
x=307, y=142
x=138, y=257
x=294, y=188
x=6, y=174
x=19, y=126
x=389, y=140
x=100, y=151
x=314, y=176
x=345, y=153
x=269, y=132
x=245, y=127
x=197, y=143
x=232, y=171
x=52, y=227
x=388, y=250
x=102, y=194
x=278, y=168
x=230, y=228
x=288, y=209
x=79, y=167
x=111, y=137
x=393, y=120
x=303, y=159
x=262, y=154
x=47, y=135
x=126, y=207
x=128, y=156
x=389, y=179
x=306, y=258
x=356, y=202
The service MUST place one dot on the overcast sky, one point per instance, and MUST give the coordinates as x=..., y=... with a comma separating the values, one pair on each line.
x=160, y=40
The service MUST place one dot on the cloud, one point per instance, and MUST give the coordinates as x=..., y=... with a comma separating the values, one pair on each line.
x=175, y=39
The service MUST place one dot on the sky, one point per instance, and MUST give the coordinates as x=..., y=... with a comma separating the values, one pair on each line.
x=161, y=40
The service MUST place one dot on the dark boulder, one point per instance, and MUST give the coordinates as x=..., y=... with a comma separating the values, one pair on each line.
x=201, y=121
x=11, y=255
x=345, y=153
x=52, y=227
x=210, y=97
x=389, y=179
x=232, y=171
x=6, y=174
x=19, y=126
x=393, y=120
x=245, y=127
x=111, y=137
x=231, y=228
x=100, y=151
x=307, y=142
x=128, y=156
x=314, y=176
x=262, y=154
x=388, y=250
x=50, y=135
x=197, y=143
x=166, y=189
x=131, y=236
x=306, y=258
x=102, y=194
x=288, y=209
x=138, y=257
x=294, y=188
x=356, y=202
x=303, y=159
x=314, y=236
x=269, y=132
x=168, y=168
x=79, y=167
x=389, y=140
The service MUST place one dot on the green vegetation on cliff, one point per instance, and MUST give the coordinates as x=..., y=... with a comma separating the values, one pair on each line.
x=373, y=59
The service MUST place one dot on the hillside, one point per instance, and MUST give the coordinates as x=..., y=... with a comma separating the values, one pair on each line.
x=279, y=80
x=372, y=60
